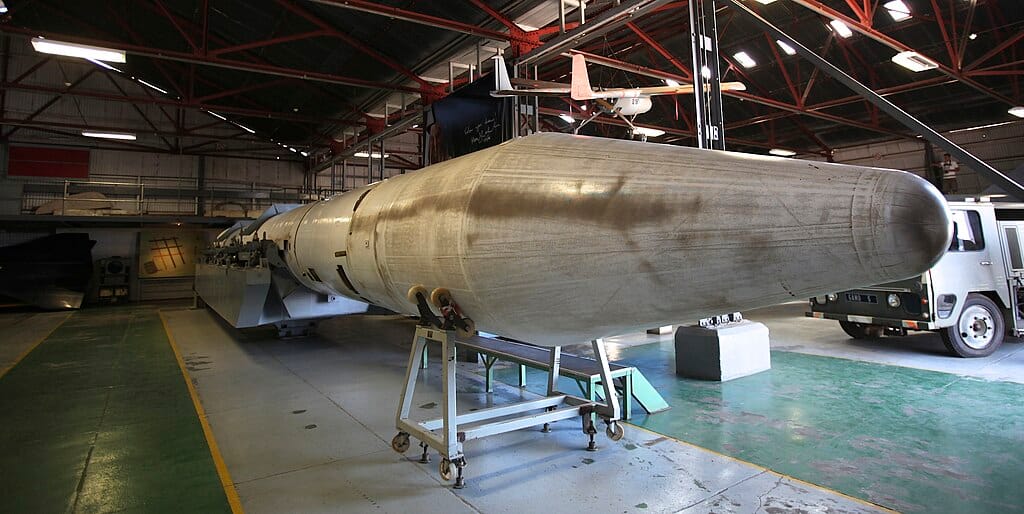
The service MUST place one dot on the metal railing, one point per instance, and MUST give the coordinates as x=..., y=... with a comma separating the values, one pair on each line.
x=161, y=195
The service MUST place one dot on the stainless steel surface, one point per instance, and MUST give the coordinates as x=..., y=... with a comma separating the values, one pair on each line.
x=559, y=239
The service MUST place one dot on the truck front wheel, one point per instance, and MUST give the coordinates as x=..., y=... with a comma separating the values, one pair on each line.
x=978, y=331
x=862, y=330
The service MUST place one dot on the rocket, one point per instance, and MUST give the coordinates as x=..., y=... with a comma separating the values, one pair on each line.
x=559, y=239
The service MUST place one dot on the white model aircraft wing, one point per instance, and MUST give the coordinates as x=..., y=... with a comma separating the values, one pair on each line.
x=580, y=89
x=686, y=89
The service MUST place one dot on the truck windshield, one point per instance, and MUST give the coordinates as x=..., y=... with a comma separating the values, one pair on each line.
x=967, y=236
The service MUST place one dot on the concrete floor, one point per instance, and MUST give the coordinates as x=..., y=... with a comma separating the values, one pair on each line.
x=305, y=426
x=791, y=331
x=22, y=331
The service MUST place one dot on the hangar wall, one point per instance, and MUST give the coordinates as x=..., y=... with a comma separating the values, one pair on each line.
x=236, y=186
x=999, y=146
x=231, y=183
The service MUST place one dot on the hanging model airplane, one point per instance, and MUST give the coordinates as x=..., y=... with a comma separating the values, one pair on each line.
x=626, y=103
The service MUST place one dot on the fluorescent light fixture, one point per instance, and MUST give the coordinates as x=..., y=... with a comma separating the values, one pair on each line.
x=293, y=150
x=785, y=47
x=1017, y=111
x=98, y=53
x=781, y=152
x=102, y=64
x=375, y=155
x=765, y=2
x=109, y=135
x=583, y=107
x=914, y=61
x=304, y=154
x=243, y=127
x=3, y=7
x=416, y=126
x=151, y=86
x=744, y=59
x=897, y=9
x=990, y=125
x=218, y=116
x=649, y=132
x=973, y=36
x=841, y=28
x=671, y=83
x=567, y=118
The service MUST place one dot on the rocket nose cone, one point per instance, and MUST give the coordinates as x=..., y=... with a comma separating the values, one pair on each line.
x=912, y=227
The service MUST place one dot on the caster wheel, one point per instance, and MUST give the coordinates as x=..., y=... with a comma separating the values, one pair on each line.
x=445, y=469
x=400, y=443
x=614, y=431
x=438, y=294
x=418, y=288
x=471, y=326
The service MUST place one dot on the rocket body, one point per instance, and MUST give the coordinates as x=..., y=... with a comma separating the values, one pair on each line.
x=557, y=239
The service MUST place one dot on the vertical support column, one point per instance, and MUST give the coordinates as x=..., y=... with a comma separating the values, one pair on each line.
x=553, y=371
x=200, y=209
x=344, y=173
x=449, y=411
x=369, y=161
x=416, y=359
x=536, y=104
x=707, y=79
x=561, y=16
x=931, y=169
x=5, y=150
x=613, y=411
x=517, y=129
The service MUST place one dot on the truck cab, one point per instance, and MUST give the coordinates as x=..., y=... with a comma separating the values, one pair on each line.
x=972, y=296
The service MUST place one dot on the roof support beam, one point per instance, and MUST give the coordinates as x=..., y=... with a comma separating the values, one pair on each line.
x=35, y=124
x=167, y=102
x=170, y=17
x=216, y=62
x=351, y=41
x=654, y=45
x=888, y=41
x=770, y=102
x=416, y=17
x=53, y=100
x=608, y=20
x=982, y=168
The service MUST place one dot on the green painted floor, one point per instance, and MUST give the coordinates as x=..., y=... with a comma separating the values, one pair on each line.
x=907, y=439
x=98, y=418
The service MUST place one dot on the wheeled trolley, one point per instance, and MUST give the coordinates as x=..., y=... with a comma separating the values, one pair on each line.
x=448, y=433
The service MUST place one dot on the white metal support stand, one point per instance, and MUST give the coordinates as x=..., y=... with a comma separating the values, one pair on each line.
x=448, y=433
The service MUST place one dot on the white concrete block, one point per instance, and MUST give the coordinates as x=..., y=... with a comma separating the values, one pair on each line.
x=667, y=329
x=722, y=353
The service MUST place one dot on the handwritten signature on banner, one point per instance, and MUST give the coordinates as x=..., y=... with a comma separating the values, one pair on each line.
x=482, y=132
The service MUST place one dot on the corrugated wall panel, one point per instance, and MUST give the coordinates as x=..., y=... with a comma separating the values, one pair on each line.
x=1002, y=147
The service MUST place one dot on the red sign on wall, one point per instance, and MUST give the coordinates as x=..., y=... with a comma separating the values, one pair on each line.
x=27, y=161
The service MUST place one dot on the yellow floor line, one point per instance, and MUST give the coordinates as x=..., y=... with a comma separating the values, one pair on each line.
x=21, y=356
x=218, y=461
x=762, y=468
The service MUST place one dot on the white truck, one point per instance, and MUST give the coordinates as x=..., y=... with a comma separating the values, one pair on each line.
x=972, y=297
